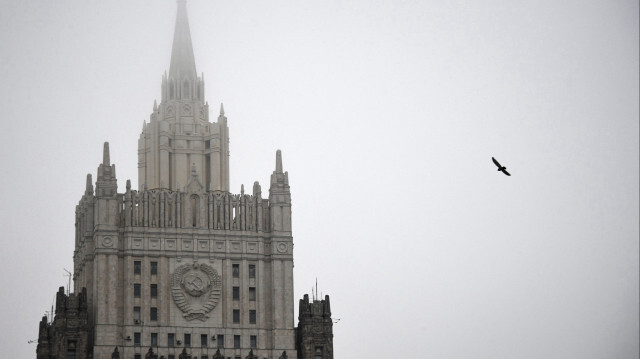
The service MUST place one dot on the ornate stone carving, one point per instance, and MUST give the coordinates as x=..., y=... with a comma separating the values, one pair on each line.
x=196, y=290
x=107, y=242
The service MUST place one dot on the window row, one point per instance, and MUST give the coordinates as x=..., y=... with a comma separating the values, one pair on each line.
x=204, y=340
x=252, y=293
x=137, y=267
x=235, y=269
x=137, y=289
x=153, y=314
x=173, y=356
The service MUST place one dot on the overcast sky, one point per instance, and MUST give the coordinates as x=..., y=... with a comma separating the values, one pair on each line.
x=387, y=114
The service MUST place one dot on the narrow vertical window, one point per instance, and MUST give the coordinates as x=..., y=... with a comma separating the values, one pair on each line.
x=187, y=340
x=136, y=290
x=252, y=271
x=252, y=316
x=236, y=341
x=154, y=268
x=236, y=293
x=154, y=339
x=136, y=339
x=236, y=271
x=220, y=341
x=252, y=294
x=254, y=341
x=236, y=316
x=136, y=315
x=171, y=338
x=154, y=291
x=153, y=314
x=203, y=340
x=137, y=267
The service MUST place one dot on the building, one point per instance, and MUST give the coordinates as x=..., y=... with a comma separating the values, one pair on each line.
x=181, y=267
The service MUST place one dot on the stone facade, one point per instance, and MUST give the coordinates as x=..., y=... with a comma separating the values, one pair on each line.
x=180, y=266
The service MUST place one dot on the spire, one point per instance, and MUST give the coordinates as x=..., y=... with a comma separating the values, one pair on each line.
x=221, y=109
x=182, y=60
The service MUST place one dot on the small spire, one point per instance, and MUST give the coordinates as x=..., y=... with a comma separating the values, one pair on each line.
x=221, y=109
x=155, y=105
x=105, y=155
x=242, y=189
x=278, y=161
x=128, y=185
x=89, y=190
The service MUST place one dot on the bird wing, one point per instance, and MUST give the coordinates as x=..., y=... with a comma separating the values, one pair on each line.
x=495, y=162
x=505, y=172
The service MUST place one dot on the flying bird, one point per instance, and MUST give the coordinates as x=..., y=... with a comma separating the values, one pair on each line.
x=500, y=167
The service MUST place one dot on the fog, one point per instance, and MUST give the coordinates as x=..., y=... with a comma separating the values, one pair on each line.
x=387, y=114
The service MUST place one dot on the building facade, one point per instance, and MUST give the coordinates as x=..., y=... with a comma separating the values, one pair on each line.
x=180, y=267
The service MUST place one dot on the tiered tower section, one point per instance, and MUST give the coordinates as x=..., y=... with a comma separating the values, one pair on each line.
x=180, y=263
x=179, y=134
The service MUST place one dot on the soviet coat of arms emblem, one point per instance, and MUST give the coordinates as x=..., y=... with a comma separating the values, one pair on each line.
x=196, y=290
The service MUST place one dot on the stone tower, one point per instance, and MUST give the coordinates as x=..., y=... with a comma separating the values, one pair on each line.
x=314, y=335
x=180, y=264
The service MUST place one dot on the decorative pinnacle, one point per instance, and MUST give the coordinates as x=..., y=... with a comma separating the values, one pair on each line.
x=89, y=190
x=278, y=161
x=221, y=109
x=105, y=155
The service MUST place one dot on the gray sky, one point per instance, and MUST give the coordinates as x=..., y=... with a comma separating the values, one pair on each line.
x=387, y=113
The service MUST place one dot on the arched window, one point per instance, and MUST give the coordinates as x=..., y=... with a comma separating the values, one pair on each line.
x=185, y=89
x=194, y=210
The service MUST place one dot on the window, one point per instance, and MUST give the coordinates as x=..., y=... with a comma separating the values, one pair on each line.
x=236, y=316
x=171, y=356
x=253, y=341
x=252, y=294
x=252, y=270
x=236, y=341
x=136, y=315
x=318, y=353
x=236, y=293
x=137, y=356
x=236, y=271
x=171, y=338
x=137, y=267
x=153, y=314
x=203, y=340
x=154, y=339
x=187, y=340
x=154, y=291
x=136, y=290
x=154, y=268
x=220, y=341
x=136, y=339
x=252, y=316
